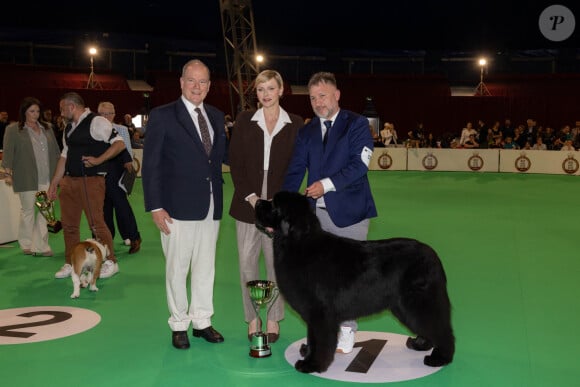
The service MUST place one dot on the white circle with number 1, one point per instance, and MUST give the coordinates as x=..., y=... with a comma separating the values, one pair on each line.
x=377, y=357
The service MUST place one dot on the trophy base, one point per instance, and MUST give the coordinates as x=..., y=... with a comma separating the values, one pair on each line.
x=54, y=227
x=260, y=347
x=260, y=352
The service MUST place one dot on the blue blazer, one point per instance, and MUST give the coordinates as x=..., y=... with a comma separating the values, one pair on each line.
x=177, y=174
x=349, y=142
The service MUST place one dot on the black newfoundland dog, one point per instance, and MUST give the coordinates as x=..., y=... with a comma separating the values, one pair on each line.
x=328, y=279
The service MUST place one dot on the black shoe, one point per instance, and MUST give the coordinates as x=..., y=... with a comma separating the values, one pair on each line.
x=209, y=334
x=180, y=340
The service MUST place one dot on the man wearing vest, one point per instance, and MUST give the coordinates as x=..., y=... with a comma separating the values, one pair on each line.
x=89, y=141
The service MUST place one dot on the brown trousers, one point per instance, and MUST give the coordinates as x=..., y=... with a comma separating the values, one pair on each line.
x=83, y=194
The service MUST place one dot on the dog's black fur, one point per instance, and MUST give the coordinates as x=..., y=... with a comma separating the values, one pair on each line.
x=328, y=279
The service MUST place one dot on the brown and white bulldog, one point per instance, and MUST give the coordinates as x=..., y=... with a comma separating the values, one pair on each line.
x=87, y=258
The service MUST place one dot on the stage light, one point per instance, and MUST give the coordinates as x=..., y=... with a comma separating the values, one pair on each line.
x=92, y=82
x=481, y=88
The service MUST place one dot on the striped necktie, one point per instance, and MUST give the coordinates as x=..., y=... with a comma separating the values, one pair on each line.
x=203, y=128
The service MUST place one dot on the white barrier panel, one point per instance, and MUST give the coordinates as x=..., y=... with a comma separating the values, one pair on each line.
x=9, y=213
x=435, y=159
x=540, y=161
x=389, y=159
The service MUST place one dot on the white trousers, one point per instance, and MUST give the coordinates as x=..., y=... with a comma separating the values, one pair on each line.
x=32, y=229
x=190, y=249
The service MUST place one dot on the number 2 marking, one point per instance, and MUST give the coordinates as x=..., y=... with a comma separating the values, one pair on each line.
x=57, y=317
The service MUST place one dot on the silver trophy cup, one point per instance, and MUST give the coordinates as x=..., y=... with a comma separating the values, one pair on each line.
x=46, y=209
x=262, y=292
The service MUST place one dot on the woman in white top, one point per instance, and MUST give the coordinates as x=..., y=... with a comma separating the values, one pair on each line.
x=539, y=145
x=466, y=132
x=389, y=134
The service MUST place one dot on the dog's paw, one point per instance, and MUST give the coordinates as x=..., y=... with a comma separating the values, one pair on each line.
x=419, y=343
x=75, y=295
x=438, y=358
x=94, y=288
x=307, y=367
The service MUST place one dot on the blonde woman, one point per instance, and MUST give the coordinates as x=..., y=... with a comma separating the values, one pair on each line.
x=260, y=151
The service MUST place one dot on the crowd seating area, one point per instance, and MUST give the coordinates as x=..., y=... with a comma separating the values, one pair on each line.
x=405, y=100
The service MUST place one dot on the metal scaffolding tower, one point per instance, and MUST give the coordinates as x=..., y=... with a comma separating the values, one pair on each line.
x=240, y=49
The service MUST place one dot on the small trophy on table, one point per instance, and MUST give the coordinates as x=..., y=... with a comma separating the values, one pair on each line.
x=46, y=208
x=262, y=292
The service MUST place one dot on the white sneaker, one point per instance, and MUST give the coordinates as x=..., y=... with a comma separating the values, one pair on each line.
x=109, y=269
x=64, y=271
x=345, y=340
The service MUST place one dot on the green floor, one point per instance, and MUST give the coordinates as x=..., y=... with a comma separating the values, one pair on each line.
x=509, y=244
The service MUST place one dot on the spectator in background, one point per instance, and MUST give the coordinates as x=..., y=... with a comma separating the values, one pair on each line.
x=128, y=122
x=576, y=135
x=59, y=128
x=495, y=132
x=496, y=144
x=117, y=206
x=416, y=136
x=471, y=142
x=389, y=134
x=507, y=129
x=3, y=125
x=519, y=137
x=483, y=134
x=137, y=142
x=30, y=157
x=567, y=146
x=562, y=136
x=466, y=132
x=548, y=137
x=530, y=131
x=539, y=145
x=510, y=144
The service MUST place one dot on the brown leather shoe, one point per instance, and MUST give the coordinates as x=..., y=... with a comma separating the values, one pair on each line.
x=179, y=339
x=135, y=246
x=209, y=334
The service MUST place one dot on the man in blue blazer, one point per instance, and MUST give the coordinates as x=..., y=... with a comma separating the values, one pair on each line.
x=183, y=190
x=335, y=148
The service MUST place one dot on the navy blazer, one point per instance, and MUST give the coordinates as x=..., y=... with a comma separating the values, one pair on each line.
x=177, y=174
x=344, y=160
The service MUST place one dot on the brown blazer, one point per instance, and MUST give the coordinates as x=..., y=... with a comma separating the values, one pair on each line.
x=246, y=156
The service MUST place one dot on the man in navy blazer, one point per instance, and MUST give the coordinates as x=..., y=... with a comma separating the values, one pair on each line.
x=335, y=148
x=183, y=190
